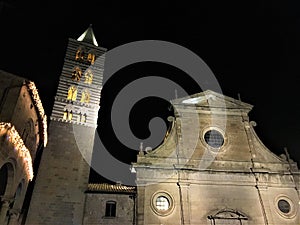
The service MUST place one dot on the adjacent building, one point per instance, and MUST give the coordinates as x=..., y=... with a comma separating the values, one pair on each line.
x=23, y=133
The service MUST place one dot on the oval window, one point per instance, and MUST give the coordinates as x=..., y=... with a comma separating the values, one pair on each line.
x=284, y=206
x=214, y=138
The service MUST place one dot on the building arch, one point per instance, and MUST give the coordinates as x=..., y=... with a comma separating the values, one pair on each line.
x=91, y=57
x=19, y=195
x=88, y=76
x=28, y=135
x=80, y=52
x=77, y=73
x=85, y=96
x=228, y=217
x=82, y=115
x=7, y=173
x=68, y=112
x=72, y=93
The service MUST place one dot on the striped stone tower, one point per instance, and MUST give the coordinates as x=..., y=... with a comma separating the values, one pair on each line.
x=62, y=178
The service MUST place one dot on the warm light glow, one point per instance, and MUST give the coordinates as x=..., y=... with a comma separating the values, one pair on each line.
x=65, y=116
x=70, y=115
x=91, y=58
x=88, y=77
x=79, y=54
x=85, y=96
x=82, y=118
x=23, y=153
x=37, y=102
x=76, y=75
x=72, y=93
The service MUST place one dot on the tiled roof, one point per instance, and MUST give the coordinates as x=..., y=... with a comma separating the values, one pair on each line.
x=111, y=188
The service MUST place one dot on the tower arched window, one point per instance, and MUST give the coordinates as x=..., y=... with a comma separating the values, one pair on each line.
x=82, y=117
x=68, y=115
x=28, y=136
x=72, y=93
x=68, y=112
x=88, y=76
x=80, y=54
x=76, y=74
x=91, y=57
x=110, y=209
x=85, y=96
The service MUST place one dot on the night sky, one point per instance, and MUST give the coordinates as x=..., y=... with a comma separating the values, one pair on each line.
x=252, y=47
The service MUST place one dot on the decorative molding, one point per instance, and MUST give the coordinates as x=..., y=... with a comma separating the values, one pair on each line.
x=14, y=138
x=38, y=104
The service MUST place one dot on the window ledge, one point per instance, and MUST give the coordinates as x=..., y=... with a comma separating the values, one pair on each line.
x=109, y=217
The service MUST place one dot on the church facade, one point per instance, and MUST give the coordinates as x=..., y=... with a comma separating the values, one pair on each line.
x=211, y=168
x=226, y=176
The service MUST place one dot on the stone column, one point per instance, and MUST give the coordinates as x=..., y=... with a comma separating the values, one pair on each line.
x=140, y=204
x=4, y=210
x=185, y=192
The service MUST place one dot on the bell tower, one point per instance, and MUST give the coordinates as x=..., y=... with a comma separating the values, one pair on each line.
x=62, y=178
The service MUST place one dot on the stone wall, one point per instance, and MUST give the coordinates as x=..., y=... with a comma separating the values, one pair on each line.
x=96, y=204
x=58, y=195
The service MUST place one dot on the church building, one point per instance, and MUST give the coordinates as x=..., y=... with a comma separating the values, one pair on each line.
x=23, y=133
x=211, y=168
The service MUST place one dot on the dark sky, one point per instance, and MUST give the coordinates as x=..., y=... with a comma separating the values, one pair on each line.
x=252, y=47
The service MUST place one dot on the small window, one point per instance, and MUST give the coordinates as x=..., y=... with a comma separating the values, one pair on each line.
x=68, y=115
x=82, y=118
x=162, y=203
x=284, y=206
x=79, y=54
x=91, y=57
x=76, y=75
x=88, y=77
x=85, y=96
x=72, y=93
x=214, y=138
x=110, y=209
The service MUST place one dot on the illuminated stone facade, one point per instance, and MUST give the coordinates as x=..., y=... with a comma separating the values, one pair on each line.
x=22, y=134
x=220, y=172
x=211, y=169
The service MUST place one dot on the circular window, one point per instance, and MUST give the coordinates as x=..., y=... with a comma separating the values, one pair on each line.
x=162, y=203
x=214, y=138
x=284, y=206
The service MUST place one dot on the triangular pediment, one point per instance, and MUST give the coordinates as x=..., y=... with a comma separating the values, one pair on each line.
x=211, y=99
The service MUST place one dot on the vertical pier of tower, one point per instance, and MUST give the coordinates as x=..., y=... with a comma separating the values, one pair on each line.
x=62, y=178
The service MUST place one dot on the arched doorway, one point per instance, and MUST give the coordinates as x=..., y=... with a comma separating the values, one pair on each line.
x=6, y=179
x=6, y=183
x=3, y=180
